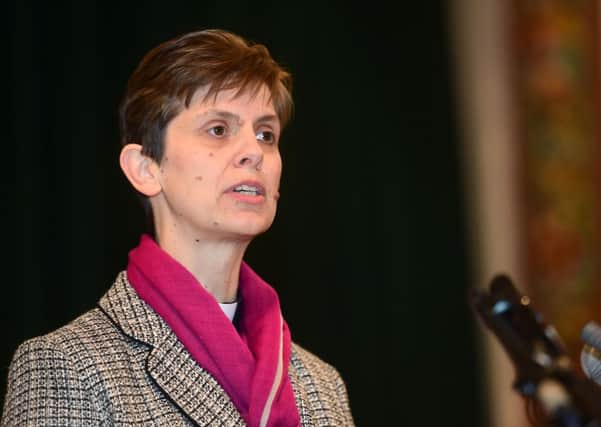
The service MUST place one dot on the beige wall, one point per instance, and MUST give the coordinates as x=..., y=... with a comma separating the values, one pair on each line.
x=479, y=31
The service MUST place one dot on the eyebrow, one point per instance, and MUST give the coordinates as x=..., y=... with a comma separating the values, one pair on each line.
x=267, y=118
x=220, y=113
x=235, y=117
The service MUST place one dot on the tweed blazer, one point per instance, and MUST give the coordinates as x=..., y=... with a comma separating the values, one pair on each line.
x=121, y=364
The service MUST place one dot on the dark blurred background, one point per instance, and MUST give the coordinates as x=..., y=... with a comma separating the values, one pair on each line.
x=369, y=250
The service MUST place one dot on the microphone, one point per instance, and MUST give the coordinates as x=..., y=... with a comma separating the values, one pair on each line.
x=543, y=370
x=590, y=357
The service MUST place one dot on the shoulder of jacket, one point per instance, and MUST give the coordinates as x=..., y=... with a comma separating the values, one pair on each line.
x=322, y=385
x=75, y=337
x=310, y=361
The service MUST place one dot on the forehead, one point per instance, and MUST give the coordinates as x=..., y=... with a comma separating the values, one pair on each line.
x=255, y=99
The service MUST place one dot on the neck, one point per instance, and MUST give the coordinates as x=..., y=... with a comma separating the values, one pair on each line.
x=215, y=264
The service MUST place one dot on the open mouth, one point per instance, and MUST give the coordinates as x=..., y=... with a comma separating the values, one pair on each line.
x=248, y=190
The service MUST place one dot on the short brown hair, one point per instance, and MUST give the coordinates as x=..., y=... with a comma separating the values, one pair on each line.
x=170, y=74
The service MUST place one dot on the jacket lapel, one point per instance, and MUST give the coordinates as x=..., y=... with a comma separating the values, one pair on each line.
x=185, y=383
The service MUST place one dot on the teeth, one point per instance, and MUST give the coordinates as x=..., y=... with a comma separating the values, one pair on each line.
x=247, y=190
x=245, y=187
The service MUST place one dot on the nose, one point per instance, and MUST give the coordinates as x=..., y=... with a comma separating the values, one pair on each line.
x=251, y=152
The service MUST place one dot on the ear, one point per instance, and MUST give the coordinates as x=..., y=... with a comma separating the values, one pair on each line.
x=141, y=171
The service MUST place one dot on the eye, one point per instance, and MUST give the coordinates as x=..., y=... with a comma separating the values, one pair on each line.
x=267, y=137
x=218, y=131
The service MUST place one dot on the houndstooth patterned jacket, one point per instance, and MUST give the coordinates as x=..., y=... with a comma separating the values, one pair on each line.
x=120, y=364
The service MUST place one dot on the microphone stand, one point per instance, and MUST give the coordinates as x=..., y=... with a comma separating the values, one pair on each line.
x=543, y=370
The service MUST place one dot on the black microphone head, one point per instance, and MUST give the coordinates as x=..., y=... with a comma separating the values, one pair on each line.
x=502, y=287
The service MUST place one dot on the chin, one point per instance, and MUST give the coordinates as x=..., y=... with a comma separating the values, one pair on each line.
x=248, y=228
x=253, y=231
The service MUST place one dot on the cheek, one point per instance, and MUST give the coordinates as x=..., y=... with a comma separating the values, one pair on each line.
x=192, y=166
x=187, y=175
x=276, y=170
x=277, y=175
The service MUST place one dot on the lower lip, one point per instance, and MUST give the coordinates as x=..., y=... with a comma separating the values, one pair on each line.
x=245, y=198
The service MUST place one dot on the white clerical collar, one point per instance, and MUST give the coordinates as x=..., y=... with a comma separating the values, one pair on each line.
x=229, y=309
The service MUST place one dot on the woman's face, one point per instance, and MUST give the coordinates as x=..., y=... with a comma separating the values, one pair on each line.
x=221, y=168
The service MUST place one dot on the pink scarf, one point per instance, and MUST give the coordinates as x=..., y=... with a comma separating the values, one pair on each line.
x=251, y=365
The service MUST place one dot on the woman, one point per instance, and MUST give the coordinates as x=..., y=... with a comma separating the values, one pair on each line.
x=188, y=334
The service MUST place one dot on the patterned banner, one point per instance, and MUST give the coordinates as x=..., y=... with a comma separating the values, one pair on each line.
x=558, y=92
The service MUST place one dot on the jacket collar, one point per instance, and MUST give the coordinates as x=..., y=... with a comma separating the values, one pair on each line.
x=170, y=365
x=189, y=386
